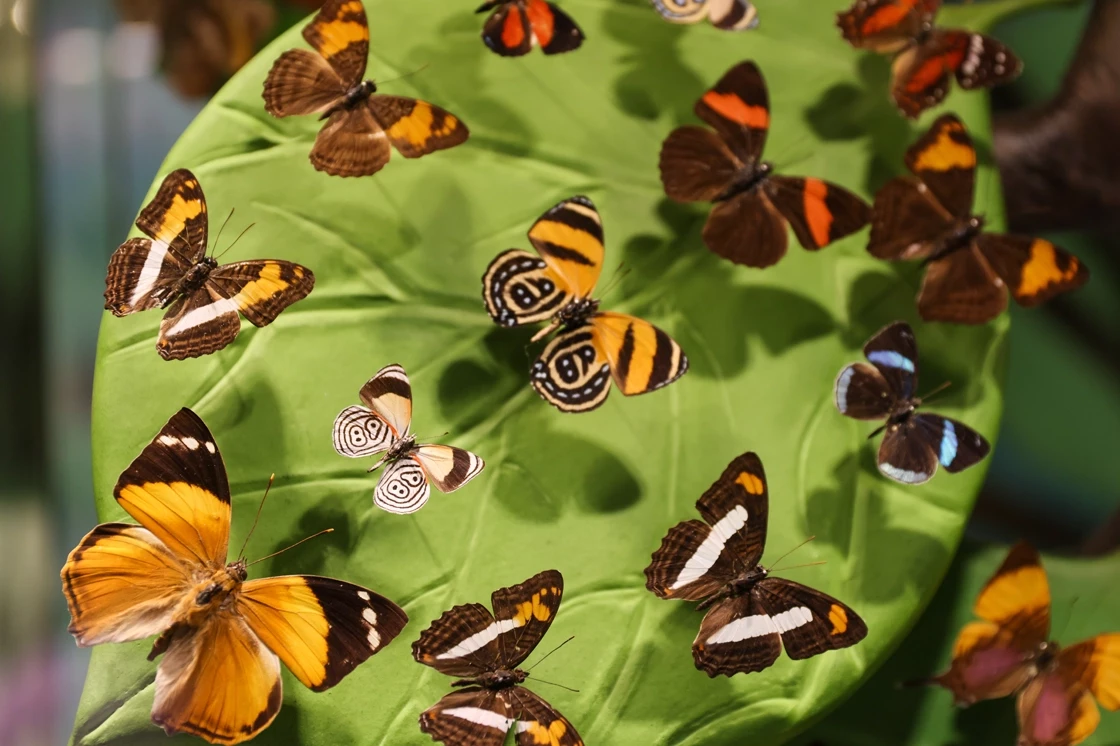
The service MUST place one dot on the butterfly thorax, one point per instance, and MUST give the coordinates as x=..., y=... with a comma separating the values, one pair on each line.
x=500, y=679
x=400, y=448
x=357, y=95
x=1045, y=656
x=902, y=410
x=738, y=586
x=961, y=236
x=193, y=280
x=747, y=179
x=576, y=312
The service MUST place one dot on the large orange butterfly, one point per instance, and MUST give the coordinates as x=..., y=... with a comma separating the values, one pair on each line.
x=1010, y=651
x=222, y=635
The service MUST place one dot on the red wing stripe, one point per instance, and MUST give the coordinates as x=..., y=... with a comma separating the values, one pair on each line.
x=542, y=21
x=513, y=34
x=732, y=107
x=817, y=214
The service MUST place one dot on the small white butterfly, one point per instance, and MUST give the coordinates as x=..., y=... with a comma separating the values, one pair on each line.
x=382, y=426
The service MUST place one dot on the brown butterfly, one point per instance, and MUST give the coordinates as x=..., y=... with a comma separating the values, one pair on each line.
x=752, y=205
x=360, y=126
x=927, y=57
x=969, y=271
x=1010, y=651
x=170, y=269
x=753, y=615
x=222, y=636
x=485, y=650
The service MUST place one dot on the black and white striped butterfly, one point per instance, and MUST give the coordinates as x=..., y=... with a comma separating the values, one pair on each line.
x=381, y=426
x=914, y=443
x=752, y=615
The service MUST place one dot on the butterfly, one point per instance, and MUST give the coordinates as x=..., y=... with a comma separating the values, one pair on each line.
x=221, y=636
x=516, y=26
x=969, y=271
x=574, y=371
x=485, y=650
x=203, y=42
x=914, y=443
x=752, y=614
x=171, y=268
x=752, y=205
x=1010, y=651
x=381, y=426
x=927, y=57
x=360, y=125
x=727, y=15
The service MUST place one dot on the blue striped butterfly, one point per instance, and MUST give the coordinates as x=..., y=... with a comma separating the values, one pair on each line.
x=728, y=15
x=914, y=444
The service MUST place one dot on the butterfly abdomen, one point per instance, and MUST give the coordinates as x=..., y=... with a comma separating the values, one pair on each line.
x=749, y=178
x=194, y=279
x=962, y=235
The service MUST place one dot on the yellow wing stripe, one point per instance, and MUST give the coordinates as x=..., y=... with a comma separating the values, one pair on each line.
x=839, y=619
x=417, y=128
x=266, y=286
x=549, y=735
x=751, y=483
x=945, y=153
x=337, y=35
x=533, y=608
x=181, y=210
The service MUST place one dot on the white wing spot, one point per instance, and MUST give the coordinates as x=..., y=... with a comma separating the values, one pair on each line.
x=363, y=595
x=169, y=440
x=211, y=447
x=191, y=443
x=370, y=616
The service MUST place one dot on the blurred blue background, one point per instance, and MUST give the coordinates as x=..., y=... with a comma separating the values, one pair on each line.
x=86, y=116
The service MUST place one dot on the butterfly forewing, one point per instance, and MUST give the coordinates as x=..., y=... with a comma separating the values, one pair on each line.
x=388, y=394
x=956, y=445
x=527, y=611
x=944, y=158
x=885, y=25
x=553, y=30
x=177, y=216
x=682, y=11
x=819, y=212
x=736, y=636
x=894, y=352
x=415, y=127
x=520, y=288
x=810, y=622
x=340, y=33
x=261, y=288
x=987, y=63
x=1033, y=269
x=320, y=627
x=403, y=487
x=1017, y=597
x=448, y=467
x=642, y=357
x=1096, y=664
x=462, y=642
x=569, y=237
x=862, y=392
x=738, y=108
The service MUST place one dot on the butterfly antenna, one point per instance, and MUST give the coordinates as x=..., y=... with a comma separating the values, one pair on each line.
x=876, y=431
x=1069, y=617
x=402, y=77
x=224, y=224
x=911, y=683
x=241, y=554
x=792, y=551
x=935, y=392
x=293, y=546
x=550, y=652
x=553, y=683
x=795, y=567
x=618, y=276
x=239, y=235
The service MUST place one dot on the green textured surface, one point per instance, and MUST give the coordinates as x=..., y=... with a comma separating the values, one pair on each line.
x=398, y=259
x=1085, y=604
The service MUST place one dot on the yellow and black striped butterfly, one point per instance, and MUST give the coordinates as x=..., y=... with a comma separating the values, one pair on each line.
x=170, y=269
x=574, y=371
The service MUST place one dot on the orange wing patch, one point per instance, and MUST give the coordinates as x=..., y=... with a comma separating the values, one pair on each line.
x=542, y=21
x=945, y=152
x=346, y=28
x=189, y=519
x=266, y=605
x=513, y=31
x=534, y=608
x=642, y=357
x=751, y=483
x=1042, y=271
x=730, y=106
x=817, y=214
x=839, y=618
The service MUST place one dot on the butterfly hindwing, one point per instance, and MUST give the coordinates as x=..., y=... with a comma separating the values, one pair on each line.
x=403, y=487
x=538, y=722
x=907, y=221
x=732, y=15
x=340, y=33
x=747, y=229
x=810, y=622
x=862, y=392
x=573, y=372
x=197, y=324
x=906, y=455
x=320, y=627
x=351, y=143
x=736, y=636
x=470, y=717
x=449, y=468
x=819, y=212
x=1055, y=710
x=177, y=489
x=987, y=664
x=141, y=276
x=416, y=127
x=528, y=608
x=507, y=31
x=519, y=288
x=961, y=288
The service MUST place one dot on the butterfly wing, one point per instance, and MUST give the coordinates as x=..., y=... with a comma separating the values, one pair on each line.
x=956, y=445
x=907, y=221
x=642, y=357
x=1055, y=710
x=122, y=584
x=388, y=394
x=696, y=560
x=359, y=432
x=301, y=82
x=819, y=212
x=885, y=25
x=340, y=33
x=944, y=158
x=177, y=489
x=260, y=289
x=732, y=15
x=962, y=288
x=893, y=350
x=991, y=658
x=520, y=288
x=810, y=622
x=696, y=165
x=524, y=612
x=177, y=216
x=403, y=487
x=747, y=229
x=682, y=11
x=507, y=31
x=197, y=324
x=417, y=128
x=448, y=467
x=320, y=627
x=569, y=237
x=552, y=29
x=217, y=681
x=987, y=63
x=921, y=74
x=538, y=722
x=736, y=636
x=1096, y=664
x=462, y=642
x=573, y=372
x=470, y=717
x=1033, y=269
x=738, y=108
x=862, y=392
x=906, y=455
x=351, y=143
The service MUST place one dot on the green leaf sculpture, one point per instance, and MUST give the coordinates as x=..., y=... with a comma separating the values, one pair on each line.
x=398, y=259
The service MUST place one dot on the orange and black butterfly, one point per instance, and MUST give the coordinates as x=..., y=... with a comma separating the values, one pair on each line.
x=753, y=615
x=222, y=636
x=968, y=271
x=1010, y=651
x=726, y=15
x=752, y=205
x=914, y=442
x=360, y=125
x=927, y=57
x=170, y=269
x=484, y=650
x=574, y=371
x=516, y=26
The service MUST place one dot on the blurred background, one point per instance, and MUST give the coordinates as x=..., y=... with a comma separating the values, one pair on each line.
x=94, y=92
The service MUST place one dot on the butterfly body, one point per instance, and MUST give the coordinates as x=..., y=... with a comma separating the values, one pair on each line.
x=355, y=97
x=495, y=680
